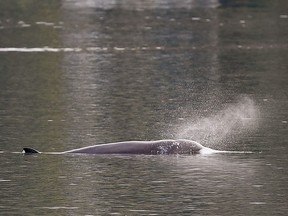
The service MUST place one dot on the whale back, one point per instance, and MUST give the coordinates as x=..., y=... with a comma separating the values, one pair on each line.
x=157, y=147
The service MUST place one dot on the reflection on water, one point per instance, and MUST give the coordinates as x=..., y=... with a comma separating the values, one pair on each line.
x=139, y=5
x=76, y=73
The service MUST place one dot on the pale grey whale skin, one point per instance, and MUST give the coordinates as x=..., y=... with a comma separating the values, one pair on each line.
x=157, y=147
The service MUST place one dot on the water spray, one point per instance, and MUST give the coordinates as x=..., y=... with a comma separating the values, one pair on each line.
x=231, y=123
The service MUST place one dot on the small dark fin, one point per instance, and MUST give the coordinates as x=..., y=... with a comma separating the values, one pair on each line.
x=29, y=151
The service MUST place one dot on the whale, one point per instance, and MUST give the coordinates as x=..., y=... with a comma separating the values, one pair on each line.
x=157, y=147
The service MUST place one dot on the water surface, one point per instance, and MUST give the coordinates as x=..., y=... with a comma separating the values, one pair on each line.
x=75, y=74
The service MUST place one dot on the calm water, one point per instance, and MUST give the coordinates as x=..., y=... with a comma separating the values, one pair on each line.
x=76, y=73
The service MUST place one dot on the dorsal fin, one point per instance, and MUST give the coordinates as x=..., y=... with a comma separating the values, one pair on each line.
x=29, y=151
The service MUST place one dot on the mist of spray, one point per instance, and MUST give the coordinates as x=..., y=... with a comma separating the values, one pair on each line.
x=228, y=124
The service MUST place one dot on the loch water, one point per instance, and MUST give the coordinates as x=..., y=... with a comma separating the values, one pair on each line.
x=78, y=73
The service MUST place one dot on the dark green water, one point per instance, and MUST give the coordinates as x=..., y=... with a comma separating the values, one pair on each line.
x=77, y=73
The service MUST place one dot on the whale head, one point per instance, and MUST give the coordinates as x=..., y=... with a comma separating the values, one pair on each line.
x=189, y=146
x=194, y=147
